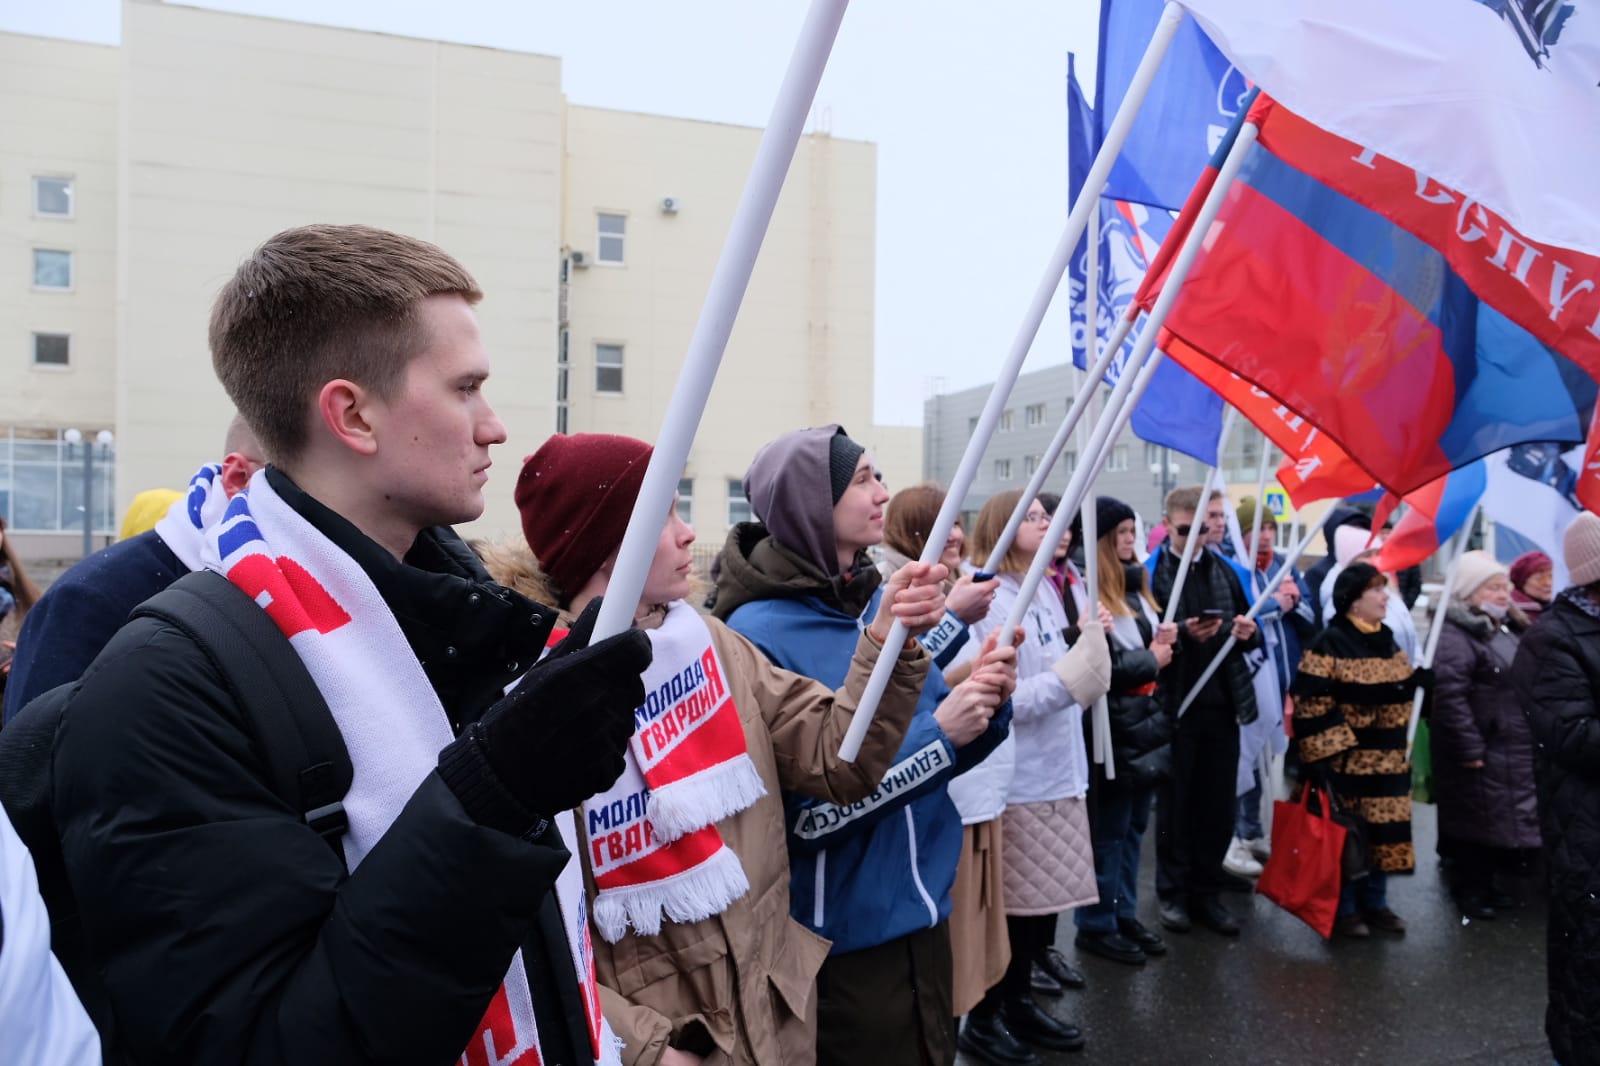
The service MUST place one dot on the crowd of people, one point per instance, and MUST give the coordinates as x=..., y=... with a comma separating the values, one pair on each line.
x=450, y=826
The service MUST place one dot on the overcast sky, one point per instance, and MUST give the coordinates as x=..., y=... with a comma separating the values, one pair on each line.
x=965, y=101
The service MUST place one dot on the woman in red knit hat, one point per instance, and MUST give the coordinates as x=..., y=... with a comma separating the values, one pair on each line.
x=685, y=856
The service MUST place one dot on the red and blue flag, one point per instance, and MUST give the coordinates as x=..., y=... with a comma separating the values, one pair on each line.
x=1412, y=328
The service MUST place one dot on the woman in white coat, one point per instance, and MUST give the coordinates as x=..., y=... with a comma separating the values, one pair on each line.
x=1047, y=854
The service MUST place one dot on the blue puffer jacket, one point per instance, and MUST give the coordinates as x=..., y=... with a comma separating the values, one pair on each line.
x=864, y=874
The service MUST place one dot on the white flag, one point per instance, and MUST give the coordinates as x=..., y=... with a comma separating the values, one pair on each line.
x=1498, y=99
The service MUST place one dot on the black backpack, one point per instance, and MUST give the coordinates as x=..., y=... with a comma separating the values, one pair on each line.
x=306, y=760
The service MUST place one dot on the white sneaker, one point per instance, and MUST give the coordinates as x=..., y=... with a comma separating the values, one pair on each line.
x=1240, y=862
x=1260, y=847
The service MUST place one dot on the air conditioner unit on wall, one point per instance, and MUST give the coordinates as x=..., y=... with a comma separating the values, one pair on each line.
x=579, y=260
x=669, y=205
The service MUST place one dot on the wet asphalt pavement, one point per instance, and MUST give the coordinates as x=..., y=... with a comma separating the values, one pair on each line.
x=1446, y=992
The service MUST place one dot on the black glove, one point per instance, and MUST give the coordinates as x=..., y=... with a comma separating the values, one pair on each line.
x=561, y=735
x=1422, y=678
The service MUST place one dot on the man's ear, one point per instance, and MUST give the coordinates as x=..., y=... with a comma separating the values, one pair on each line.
x=237, y=469
x=343, y=407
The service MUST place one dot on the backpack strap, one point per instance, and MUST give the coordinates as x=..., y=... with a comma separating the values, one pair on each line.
x=304, y=752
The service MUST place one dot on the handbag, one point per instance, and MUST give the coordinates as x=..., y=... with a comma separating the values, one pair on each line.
x=1304, y=874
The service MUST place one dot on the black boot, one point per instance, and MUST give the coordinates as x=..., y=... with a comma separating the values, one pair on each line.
x=1033, y=1024
x=986, y=1038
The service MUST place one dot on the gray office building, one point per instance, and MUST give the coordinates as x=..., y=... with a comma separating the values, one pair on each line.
x=1134, y=470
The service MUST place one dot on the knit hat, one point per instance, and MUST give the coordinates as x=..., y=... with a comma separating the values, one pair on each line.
x=1247, y=516
x=1472, y=571
x=576, y=494
x=1350, y=541
x=1351, y=583
x=1109, y=513
x=1524, y=566
x=843, y=455
x=147, y=508
x=1581, y=546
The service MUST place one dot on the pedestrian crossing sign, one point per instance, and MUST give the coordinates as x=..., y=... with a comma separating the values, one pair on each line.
x=1278, y=504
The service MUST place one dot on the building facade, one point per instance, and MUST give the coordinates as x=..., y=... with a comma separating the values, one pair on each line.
x=1137, y=472
x=134, y=178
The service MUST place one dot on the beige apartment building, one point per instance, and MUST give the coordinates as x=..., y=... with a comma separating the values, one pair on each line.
x=134, y=178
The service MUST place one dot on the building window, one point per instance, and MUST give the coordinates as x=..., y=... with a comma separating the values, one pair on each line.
x=613, y=229
x=1007, y=421
x=1118, y=460
x=608, y=368
x=51, y=349
x=1030, y=464
x=1069, y=462
x=738, y=506
x=1002, y=469
x=686, y=500
x=41, y=482
x=972, y=425
x=1152, y=456
x=52, y=197
x=1033, y=415
x=52, y=269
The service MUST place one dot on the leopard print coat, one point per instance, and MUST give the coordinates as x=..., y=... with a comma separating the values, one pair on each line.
x=1352, y=704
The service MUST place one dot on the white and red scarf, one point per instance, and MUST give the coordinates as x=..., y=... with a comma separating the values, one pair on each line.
x=392, y=723
x=183, y=527
x=653, y=842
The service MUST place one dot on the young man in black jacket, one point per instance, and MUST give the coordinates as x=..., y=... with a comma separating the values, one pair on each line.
x=1196, y=804
x=224, y=928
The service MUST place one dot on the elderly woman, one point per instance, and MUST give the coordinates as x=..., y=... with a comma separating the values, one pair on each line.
x=1352, y=704
x=1532, y=583
x=1482, y=743
x=1047, y=853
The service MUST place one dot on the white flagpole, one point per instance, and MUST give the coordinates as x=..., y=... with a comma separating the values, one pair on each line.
x=1080, y=406
x=1212, y=484
x=728, y=284
x=1100, y=713
x=1255, y=608
x=1458, y=546
x=1088, y=203
x=1135, y=376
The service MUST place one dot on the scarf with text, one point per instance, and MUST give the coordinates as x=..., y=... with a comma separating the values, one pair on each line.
x=391, y=720
x=653, y=842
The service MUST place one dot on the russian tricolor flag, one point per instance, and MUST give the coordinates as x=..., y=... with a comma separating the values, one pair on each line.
x=1412, y=329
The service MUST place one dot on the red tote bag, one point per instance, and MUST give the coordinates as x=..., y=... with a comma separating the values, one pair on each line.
x=1303, y=875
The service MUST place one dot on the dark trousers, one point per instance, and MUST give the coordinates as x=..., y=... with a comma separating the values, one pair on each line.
x=1030, y=935
x=888, y=1004
x=1120, y=817
x=1195, y=806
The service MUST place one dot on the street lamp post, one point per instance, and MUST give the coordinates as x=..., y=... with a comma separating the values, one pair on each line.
x=105, y=438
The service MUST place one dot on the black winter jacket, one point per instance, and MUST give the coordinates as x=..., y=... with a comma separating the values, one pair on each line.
x=1557, y=678
x=1210, y=583
x=1141, y=728
x=227, y=931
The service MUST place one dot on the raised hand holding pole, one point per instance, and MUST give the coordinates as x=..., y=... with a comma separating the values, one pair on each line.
x=728, y=284
x=1077, y=222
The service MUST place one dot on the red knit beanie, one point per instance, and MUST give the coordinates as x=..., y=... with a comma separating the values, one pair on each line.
x=576, y=494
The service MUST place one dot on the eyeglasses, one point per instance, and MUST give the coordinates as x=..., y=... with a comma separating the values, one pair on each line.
x=1183, y=530
x=1038, y=518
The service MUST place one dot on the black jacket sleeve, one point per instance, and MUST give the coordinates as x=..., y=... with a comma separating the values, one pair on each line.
x=1131, y=668
x=226, y=930
x=59, y=639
